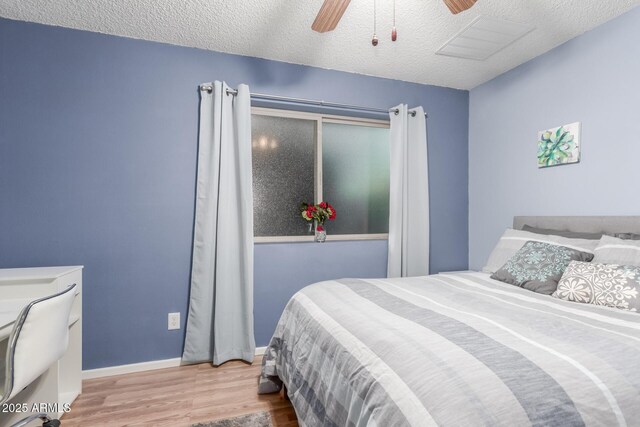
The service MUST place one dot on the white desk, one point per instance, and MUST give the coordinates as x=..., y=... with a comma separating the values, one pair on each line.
x=62, y=383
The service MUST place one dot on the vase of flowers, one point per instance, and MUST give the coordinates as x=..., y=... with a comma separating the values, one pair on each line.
x=320, y=234
x=318, y=213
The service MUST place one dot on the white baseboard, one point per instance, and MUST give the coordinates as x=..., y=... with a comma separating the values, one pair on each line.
x=141, y=367
x=127, y=369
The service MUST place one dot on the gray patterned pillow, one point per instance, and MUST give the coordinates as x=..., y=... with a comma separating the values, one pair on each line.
x=538, y=266
x=513, y=240
x=601, y=284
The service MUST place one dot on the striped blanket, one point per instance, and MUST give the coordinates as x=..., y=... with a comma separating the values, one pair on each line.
x=452, y=350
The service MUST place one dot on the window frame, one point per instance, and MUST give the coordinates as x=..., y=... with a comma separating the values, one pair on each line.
x=319, y=118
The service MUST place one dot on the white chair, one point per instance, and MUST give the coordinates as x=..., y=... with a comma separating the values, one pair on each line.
x=39, y=338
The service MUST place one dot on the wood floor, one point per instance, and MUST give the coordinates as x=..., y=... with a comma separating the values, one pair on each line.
x=177, y=397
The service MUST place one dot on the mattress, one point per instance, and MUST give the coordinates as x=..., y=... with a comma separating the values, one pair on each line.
x=451, y=350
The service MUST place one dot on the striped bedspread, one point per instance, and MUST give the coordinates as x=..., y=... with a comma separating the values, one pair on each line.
x=452, y=350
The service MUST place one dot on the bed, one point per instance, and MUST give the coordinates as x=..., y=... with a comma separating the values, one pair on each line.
x=455, y=349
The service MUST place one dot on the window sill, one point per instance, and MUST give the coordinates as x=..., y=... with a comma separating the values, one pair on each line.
x=330, y=238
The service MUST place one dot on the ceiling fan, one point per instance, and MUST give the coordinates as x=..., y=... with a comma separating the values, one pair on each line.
x=457, y=6
x=332, y=10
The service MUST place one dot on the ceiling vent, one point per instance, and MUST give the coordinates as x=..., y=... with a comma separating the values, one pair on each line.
x=484, y=37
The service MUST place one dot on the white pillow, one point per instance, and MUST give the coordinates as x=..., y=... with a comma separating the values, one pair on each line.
x=612, y=250
x=513, y=240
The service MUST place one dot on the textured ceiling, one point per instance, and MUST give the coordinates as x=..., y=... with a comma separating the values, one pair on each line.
x=281, y=30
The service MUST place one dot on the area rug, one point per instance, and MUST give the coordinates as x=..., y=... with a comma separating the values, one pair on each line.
x=258, y=419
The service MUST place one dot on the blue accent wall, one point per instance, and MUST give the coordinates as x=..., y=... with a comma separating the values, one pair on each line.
x=592, y=79
x=98, y=144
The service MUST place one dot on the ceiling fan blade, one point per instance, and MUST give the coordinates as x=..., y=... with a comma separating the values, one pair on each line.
x=329, y=15
x=457, y=6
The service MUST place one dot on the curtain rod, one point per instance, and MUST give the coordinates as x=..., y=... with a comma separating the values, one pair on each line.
x=209, y=89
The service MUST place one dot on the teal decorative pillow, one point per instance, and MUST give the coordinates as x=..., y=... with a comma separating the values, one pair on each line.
x=611, y=285
x=538, y=266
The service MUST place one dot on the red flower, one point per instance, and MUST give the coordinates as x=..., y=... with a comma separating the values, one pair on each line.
x=320, y=228
x=332, y=212
x=323, y=205
x=312, y=208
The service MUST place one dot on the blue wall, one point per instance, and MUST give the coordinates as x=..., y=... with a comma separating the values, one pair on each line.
x=592, y=79
x=98, y=138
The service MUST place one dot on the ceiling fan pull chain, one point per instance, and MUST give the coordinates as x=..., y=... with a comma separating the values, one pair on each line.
x=374, y=40
x=394, y=32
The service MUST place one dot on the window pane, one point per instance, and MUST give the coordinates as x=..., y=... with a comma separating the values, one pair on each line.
x=355, y=180
x=283, y=173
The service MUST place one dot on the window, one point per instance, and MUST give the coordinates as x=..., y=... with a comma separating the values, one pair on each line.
x=312, y=157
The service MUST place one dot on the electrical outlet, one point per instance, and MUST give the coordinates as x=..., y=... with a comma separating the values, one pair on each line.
x=174, y=321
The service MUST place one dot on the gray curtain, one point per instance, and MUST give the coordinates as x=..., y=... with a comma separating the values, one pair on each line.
x=220, y=321
x=409, y=194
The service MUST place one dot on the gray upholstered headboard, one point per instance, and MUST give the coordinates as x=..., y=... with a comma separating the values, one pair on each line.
x=586, y=224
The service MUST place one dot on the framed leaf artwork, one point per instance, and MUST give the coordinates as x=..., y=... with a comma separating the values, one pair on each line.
x=559, y=146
